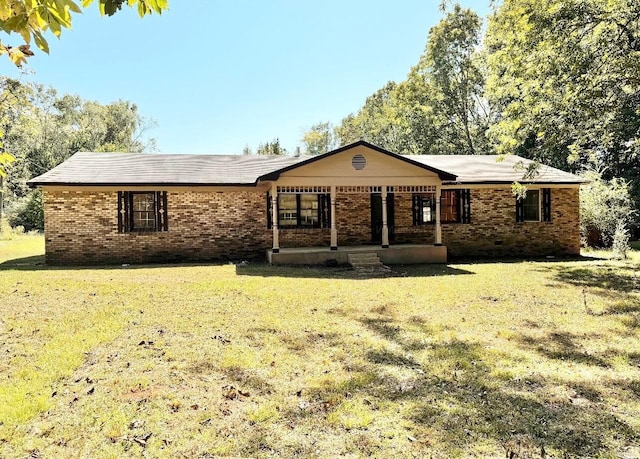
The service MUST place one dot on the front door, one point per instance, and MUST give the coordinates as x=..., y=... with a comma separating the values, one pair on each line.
x=376, y=217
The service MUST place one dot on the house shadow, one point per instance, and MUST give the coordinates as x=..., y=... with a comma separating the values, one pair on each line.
x=345, y=272
x=258, y=268
x=38, y=263
x=505, y=259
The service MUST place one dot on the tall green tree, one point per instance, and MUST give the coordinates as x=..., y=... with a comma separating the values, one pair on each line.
x=44, y=128
x=439, y=108
x=319, y=139
x=449, y=83
x=564, y=76
x=381, y=121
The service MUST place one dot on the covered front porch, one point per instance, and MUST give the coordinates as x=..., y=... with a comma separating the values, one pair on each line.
x=356, y=199
x=394, y=254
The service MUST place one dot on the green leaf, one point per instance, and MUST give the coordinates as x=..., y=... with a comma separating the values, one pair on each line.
x=41, y=42
x=73, y=6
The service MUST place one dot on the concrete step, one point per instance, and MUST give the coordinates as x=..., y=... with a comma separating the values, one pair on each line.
x=365, y=261
x=368, y=257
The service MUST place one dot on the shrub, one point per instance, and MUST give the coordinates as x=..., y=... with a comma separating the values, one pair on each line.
x=28, y=212
x=605, y=206
x=621, y=241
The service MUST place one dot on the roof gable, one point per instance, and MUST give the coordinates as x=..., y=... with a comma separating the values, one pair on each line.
x=377, y=162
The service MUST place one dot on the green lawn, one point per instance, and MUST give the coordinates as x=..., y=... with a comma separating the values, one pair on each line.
x=521, y=359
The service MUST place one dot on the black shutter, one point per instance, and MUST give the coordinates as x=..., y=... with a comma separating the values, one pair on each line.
x=546, y=204
x=324, y=209
x=519, y=210
x=124, y=212
x=269, y=211
x=465, y=206
x=161, y=211
x=432, y=206
x=415, y=206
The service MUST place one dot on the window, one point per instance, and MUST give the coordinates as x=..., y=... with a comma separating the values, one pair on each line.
x=535, y=206
x=288, y=210
x=449, y=206
x=455, y=207
x=142, y=211
x=424, y=209
x=301, y=211
x=532, y=206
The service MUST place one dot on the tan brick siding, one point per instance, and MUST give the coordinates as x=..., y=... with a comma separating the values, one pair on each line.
x=493, y=230
x=353, y=219
x=405, y=232
x=82, y=227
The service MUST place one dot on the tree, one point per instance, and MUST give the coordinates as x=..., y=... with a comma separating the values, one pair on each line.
x=319, y=139
x=564, y=75
x=380, y=121
x=606, y=208
x=271, y=148
x=449, y=81
x=31, y=19
x=43, y=129
x=439, y=108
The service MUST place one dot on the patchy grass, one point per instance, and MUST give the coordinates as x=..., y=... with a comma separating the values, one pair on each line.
x=515, y=359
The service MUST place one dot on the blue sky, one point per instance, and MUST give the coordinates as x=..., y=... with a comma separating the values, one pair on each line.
x=219, y=75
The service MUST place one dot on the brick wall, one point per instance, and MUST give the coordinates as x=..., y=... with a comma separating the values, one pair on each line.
x=493, y=231
x=353, y=219
x=82, y=227
x=405, y=232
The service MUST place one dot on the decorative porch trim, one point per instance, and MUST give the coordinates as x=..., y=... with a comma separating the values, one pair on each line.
x=355, y=189
x=304, y=189
x=414, y=189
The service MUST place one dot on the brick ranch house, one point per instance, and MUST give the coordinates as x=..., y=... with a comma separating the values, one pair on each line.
x=134, y=208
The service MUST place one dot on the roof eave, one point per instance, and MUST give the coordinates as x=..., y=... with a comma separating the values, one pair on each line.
x=33, y=184
x=509, y=182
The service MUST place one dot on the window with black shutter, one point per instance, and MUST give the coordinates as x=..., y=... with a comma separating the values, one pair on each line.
x=455, y=207
x=424, y=209
x=142, y=211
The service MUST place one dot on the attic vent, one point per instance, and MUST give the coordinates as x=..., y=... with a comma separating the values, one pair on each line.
x=359, y=162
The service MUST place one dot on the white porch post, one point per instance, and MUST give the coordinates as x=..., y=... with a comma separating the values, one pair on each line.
x=385, y=227
x=274, y=218
x=334, y=230
x=438, y=226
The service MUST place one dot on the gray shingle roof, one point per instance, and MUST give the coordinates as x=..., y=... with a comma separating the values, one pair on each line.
x=161, y=169
x=487, y=169
x=200, y=170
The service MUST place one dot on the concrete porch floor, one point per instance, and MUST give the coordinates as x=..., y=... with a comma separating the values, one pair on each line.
x=396, y=254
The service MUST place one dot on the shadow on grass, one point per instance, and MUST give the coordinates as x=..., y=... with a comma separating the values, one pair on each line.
x=606, y=278
x=454, y=393
x=33, y=263
x=245, y=268
x=37, y=263
x=344, y=272
x=564, y=346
